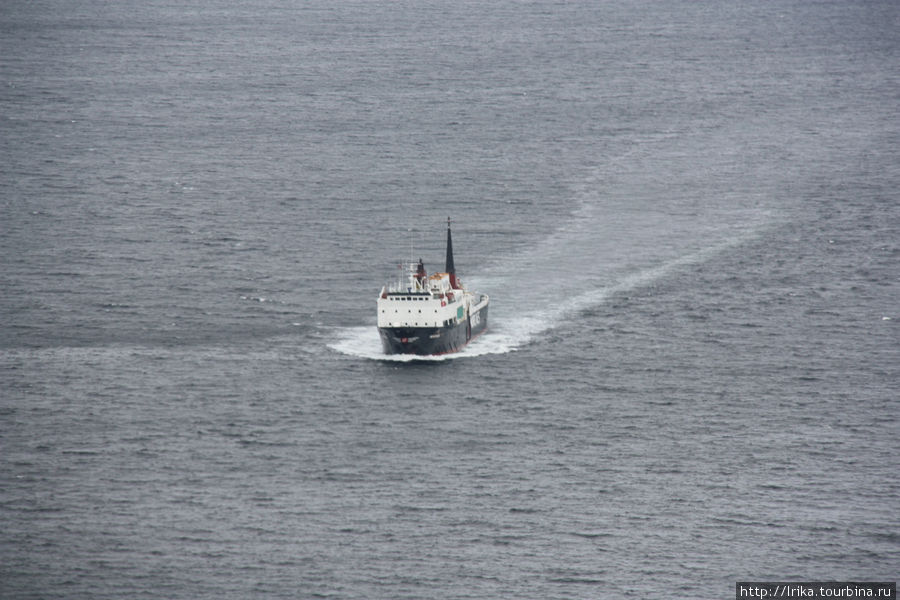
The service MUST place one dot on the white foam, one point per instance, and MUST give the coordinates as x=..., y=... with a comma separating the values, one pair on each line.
x=364, y=342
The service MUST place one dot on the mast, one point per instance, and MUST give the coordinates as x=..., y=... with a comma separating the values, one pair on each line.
x=421, y=276
x=449, y=267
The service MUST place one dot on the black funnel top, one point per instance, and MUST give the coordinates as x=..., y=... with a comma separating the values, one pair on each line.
x=449, y=268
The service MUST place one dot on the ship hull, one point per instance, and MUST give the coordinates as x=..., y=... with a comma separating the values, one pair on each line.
x=428, y=341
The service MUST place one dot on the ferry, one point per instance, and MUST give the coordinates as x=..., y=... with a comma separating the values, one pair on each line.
x=430, y=314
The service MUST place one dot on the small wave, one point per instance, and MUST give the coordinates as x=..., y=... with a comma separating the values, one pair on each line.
x=591, y=534
x=578, y=580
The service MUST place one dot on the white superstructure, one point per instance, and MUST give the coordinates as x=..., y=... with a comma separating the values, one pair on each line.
x=426, y=301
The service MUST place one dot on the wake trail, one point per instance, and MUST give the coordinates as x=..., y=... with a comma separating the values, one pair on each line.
x=649, y=220
x=547, y=309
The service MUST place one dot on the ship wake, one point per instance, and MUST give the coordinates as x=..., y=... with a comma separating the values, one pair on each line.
x=608, y=245
x=549, y=306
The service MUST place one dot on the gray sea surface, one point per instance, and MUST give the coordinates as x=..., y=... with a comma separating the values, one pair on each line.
x=686, y=215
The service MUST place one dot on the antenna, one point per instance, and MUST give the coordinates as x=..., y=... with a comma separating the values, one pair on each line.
x=409, y=239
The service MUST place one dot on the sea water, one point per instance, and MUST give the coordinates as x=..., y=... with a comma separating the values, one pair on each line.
x=685, y=214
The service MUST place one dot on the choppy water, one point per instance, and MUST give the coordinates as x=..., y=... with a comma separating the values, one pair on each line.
x=686, y=215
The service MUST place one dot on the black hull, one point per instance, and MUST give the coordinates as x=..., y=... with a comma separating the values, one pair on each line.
x=427, y=341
